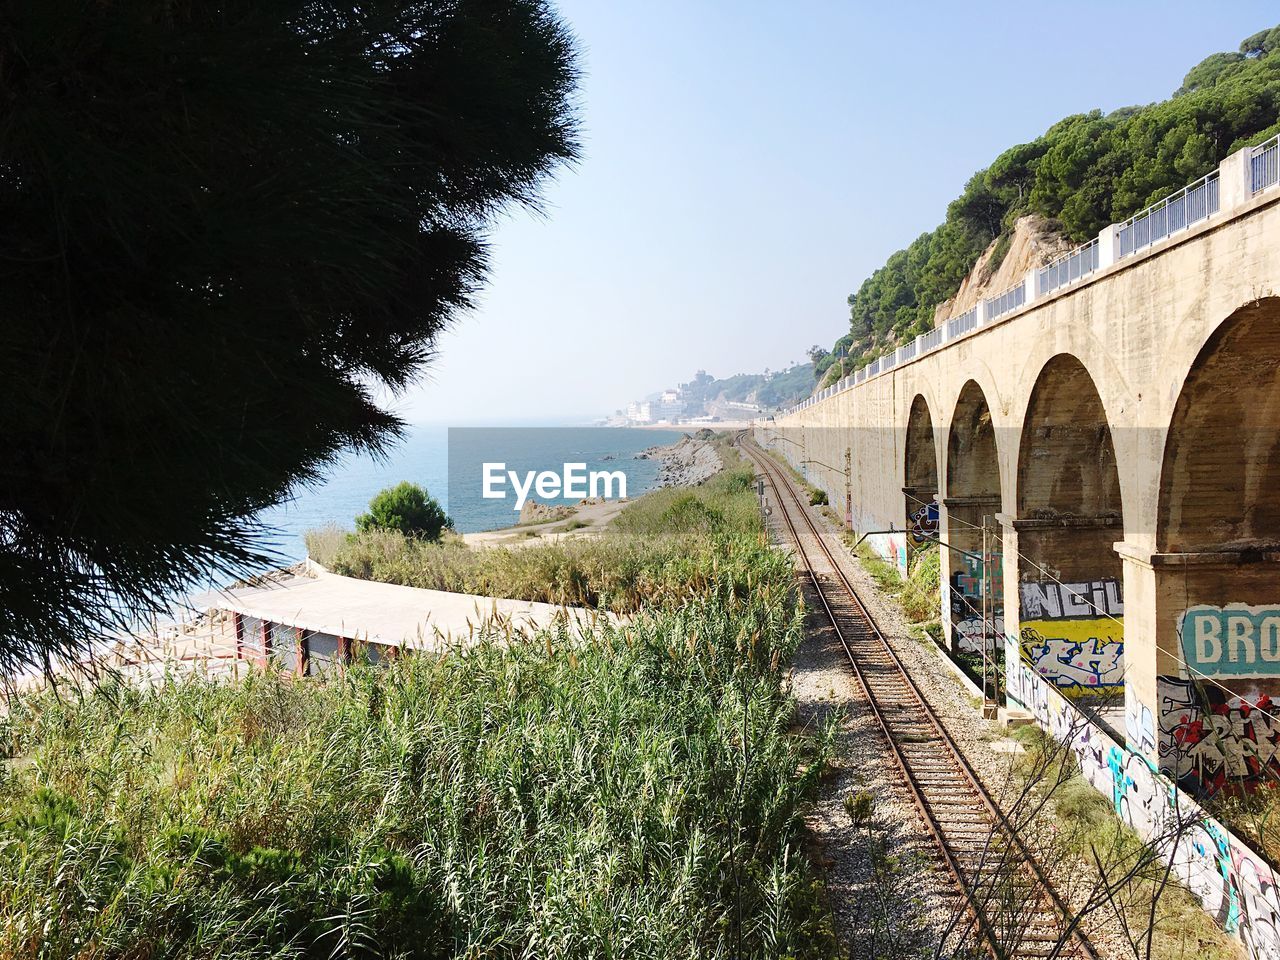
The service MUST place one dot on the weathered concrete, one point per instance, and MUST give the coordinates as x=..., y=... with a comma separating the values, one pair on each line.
x=1121, y=432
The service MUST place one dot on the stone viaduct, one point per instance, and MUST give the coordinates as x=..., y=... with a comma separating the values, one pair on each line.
x=1111, y=429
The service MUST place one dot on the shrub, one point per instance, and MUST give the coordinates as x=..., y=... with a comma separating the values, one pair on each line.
x=920, y=597
x=636, y=792
x=408, y=509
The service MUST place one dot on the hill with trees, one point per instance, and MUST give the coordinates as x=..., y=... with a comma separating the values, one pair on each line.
x=1086, y=171
x=770, y=390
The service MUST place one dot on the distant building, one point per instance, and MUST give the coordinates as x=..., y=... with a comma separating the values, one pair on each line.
x=668, y=407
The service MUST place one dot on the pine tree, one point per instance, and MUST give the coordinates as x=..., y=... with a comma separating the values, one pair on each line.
x=225, y=227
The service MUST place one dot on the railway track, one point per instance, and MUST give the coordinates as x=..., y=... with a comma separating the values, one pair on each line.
x=1011, y=908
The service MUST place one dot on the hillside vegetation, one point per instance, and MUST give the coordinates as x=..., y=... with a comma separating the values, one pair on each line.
x=769, y=390
x=1086, y=171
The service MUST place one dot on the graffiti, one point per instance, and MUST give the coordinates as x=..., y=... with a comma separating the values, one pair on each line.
x=1139, y=726
x=922, y=528
x=1072, y=634
x=964, y=594
x=1232, y=641
x=1210, y=739
x=891, y=547
x=1073, y=656
x=969, y=634
x=899, y=545
x=1052, y=600
x=1231, y=883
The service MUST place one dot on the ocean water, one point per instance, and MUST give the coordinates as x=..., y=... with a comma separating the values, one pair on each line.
x=447, y=461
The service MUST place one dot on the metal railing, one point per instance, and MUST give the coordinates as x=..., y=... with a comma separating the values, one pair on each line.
x=1191, y=204
x=1178, y=211
x=1264, y=165
x=1010, y=300
x=962, y=324
x=1068, y=268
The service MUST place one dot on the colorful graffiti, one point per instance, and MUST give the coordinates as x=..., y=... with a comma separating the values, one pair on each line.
x=1232, y=641
x=1088, y=600
x=964, y=599
x=1232, y=884
x=922, y=527
x=1072, y=634
x=891, y=546
x=1139, y=726
x=1211, y=739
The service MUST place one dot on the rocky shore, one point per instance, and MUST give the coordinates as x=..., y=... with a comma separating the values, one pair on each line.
x=687, y=462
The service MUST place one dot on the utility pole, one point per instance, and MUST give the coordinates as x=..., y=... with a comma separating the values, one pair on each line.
x=990, y=702
x=848, y=487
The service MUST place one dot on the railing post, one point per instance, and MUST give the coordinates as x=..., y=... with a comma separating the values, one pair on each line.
x=1235, y=180
x=1030, y=281
x=980, y=318
x=1108, y=245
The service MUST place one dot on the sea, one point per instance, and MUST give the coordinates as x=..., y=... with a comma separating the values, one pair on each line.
x=424, y=457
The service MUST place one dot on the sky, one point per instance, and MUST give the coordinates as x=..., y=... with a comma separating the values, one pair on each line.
x=745, y=166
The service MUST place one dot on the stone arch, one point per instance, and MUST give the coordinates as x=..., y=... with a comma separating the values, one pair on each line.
x=1220, y=479
x=1217, y=570
x=1066, y=457
x=972, y=586
x=920, y=472
x=1069, y=516
x=973, y=461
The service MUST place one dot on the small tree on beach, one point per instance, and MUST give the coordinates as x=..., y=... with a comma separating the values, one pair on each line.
x=408, y=508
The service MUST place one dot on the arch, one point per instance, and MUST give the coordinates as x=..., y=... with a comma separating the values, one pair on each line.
x=1066, y=458
x=973, y=579
x=920, y=472
x=973, y=461
x=1220, y=476
x=1071, y=611
x=1217, y=582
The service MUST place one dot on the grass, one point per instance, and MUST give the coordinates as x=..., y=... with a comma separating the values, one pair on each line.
x=634, y=792
x=1086, y=831
x=580, y=796
x=918, y=593
x=665, y=548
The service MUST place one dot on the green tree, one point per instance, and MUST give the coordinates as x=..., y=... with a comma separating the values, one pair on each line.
x=226, y=228
x=1086, y=171
x=408, y=508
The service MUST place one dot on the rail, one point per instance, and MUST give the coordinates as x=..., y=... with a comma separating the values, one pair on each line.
x=1258, y=167
x=957, y=326
x=1190, y=205
x=1007, y=302
x=1264, y=165
x=917, y=738
x=1068, y=268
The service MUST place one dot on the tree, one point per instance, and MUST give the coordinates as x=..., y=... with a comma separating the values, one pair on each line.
x=815, y=354
x=1086, y=171
x=225, y=229
x=408, y=508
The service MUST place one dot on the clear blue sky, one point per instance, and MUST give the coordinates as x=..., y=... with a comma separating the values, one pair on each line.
x=746, y=165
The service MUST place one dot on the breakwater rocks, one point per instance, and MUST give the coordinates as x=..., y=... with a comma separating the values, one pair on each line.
x=685, y=463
